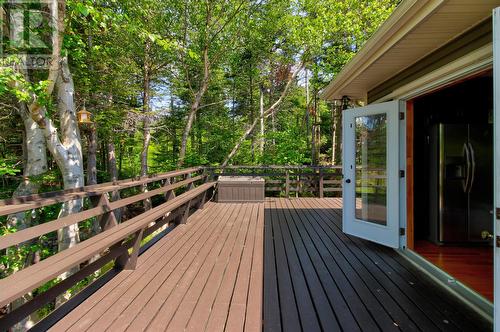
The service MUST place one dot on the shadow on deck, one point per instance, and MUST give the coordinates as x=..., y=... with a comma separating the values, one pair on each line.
x=283, y=265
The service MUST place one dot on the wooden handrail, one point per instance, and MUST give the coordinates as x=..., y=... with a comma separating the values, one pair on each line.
x=27, y=279
x=34, y=231
x=116, y=242
x=23, y=203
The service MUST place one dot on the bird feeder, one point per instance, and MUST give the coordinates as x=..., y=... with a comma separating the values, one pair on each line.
x=84, y=116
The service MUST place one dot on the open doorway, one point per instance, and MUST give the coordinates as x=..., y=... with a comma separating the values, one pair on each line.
x=453, y=181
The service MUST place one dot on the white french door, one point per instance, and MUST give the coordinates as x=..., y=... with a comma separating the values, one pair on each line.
x=371, y=173
x=496, y=147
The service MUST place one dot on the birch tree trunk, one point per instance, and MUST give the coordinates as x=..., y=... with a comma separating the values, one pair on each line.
x=35, y=163
x=67, y=152
x=68, y=155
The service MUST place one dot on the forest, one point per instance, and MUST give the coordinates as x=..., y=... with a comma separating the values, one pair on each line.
x=129, y=88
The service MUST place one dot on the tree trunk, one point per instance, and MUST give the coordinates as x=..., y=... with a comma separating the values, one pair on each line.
x=67, y=152
x=252, y=115
x=199, y=134
x=120, y=158
x=113, y=175
x=70, y=160
x=35, y=164
x=261, y=108
x=193, y=133
x=307, y=110
x=273, y=126
x=92, y=156
x=194, y=107
x=313, y=131
x=147, y=120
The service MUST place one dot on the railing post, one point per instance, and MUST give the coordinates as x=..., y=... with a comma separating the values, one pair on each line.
x=107, y=219
x=287, y=184
x=128, y=261
x=169, y=194
x=321, y=183
x=183, y=217
x=299, y=184
x=201, y=204
x=211, y=174
x=191, y=185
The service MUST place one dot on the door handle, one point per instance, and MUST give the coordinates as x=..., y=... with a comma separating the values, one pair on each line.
x=348, y=181
x=466, y=155
x=473, y=166
x=485, y=235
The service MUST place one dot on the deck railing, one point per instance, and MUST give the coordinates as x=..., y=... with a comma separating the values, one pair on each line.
x=318, y=181
x=118, y=244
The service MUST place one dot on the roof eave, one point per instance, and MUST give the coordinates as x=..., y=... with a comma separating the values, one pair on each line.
x=405, y=17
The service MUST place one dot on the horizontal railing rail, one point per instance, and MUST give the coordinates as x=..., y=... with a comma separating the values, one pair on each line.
x=23, y=203
x=281, y=180
x=118, y=243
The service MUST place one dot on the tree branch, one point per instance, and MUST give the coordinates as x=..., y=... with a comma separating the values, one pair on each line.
x=267, y=113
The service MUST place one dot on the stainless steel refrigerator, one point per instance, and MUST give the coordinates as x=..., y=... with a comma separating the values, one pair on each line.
x=460, y=182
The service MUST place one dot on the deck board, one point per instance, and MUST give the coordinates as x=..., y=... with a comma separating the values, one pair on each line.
x=282, y=265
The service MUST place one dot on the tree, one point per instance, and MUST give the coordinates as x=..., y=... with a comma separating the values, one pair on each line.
x=66, y=150
x=210, y=29
x=320, y=36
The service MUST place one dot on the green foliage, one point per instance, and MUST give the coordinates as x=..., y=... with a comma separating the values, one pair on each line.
x=8, y=169
x=13, y=83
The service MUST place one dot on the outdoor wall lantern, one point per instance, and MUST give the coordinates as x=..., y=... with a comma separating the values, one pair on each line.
x=84, y=116
x=345, y=102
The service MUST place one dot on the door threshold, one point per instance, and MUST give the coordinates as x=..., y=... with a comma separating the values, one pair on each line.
x=467, y=295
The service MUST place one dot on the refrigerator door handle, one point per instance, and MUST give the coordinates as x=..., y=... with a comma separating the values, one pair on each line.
x=472, y=168
x=466, y=154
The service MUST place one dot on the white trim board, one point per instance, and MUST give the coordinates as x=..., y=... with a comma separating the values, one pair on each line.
x=468, y=65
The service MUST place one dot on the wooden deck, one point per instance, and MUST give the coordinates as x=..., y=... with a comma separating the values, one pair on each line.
x=204, y=275
x=283, y=265
x=319, y=279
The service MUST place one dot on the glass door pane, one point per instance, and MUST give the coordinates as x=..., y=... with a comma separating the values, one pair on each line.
x=371, y=168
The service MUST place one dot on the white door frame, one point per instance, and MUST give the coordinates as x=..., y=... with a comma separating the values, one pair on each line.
x=496, y=148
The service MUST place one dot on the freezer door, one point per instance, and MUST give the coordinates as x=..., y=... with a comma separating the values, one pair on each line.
x=448, y=209
x=481, y=188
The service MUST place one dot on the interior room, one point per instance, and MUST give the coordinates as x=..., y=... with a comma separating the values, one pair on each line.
x=453, y=181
